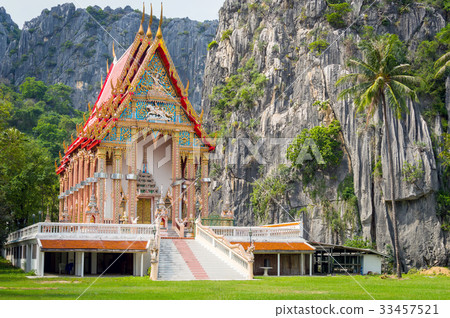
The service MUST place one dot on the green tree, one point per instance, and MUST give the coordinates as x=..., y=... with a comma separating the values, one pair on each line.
x=31, y=88
x=381, y=80
x=326, y=139
x=443, y=63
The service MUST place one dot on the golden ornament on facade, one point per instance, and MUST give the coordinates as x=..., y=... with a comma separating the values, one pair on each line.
x=141, y=29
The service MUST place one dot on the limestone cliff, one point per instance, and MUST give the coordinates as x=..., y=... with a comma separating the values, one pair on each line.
x=71, y=46
x=278, y=34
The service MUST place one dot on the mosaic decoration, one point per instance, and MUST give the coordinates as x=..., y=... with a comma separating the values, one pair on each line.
x=197, y=142
x=112, y=135
x=141, y=111
x=185, y=138
x=125, y=134
x=183, y=118
x=155, y=81
x=127, y=113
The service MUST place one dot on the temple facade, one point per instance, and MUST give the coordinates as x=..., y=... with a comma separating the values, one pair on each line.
x=142, y=146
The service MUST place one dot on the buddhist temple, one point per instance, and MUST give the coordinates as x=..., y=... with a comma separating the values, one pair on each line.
x=142, y=143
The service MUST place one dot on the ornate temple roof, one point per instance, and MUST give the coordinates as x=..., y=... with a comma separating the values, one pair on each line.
x=123, y=78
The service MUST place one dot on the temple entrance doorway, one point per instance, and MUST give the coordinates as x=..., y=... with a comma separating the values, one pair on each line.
x=144, y=211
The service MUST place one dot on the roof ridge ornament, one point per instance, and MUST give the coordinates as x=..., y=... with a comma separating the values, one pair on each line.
x=141, y=28
x=114, y=54
x=149, y=31
x=159, y=32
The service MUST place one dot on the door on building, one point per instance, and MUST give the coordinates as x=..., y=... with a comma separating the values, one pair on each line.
x=144, y=211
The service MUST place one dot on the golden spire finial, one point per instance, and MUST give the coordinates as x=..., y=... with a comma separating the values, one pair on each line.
x=186, y=90
x=107, y=66
x=64, y=146
x=101, y=81
x=113, y=52
x=56, y=166
x=89, y=107
x=84, y=117
x=159, y=32
x=141, y=28
x=60, y=157
x=149, y=31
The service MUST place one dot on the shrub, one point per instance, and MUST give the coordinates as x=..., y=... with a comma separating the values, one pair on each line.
x=412, y=173
x=212, y=44
x=226, y=35
x=318, y=46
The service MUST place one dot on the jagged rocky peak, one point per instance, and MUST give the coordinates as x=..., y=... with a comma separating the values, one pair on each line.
x=71, y=46
x=9, y=31
x=301, y=53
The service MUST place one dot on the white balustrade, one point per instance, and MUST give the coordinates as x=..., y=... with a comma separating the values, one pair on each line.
x=235, y=231
x=84, y=230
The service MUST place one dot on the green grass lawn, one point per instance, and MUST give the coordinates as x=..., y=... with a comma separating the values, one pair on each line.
x=15, y=285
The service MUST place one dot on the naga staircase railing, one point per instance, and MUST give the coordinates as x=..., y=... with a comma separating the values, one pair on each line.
x=155, y=249
x=235, y=253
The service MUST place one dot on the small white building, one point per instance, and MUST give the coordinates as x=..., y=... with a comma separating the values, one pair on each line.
x=81, y=248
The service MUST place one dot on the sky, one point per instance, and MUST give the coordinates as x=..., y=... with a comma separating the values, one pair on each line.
x=24, y=10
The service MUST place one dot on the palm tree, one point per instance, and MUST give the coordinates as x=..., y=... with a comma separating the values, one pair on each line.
x=380, y=80
x=443, y=63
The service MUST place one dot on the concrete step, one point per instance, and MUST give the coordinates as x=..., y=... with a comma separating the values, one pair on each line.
x=187, y=259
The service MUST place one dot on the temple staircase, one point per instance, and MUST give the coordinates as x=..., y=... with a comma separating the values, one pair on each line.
x=188, y=259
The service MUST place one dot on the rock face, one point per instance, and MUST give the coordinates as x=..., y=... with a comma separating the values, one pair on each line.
x=277, y=35
x=67, y=45
x=8, y=31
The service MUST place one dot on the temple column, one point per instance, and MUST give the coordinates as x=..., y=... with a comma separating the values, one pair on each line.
x=61, y=198
x=80, y=191
x=66, y=197
x=191, y=187
x=132, y=178
x=70, y=198
x=117, y=168
x=176, y=176
x=204, y=184
x=101, y=158
x=87, y=188
x=75, y=193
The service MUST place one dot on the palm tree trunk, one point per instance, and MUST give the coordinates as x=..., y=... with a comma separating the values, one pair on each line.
x=392, y=179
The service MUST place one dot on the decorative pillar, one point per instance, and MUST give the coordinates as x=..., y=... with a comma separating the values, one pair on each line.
x=75, y=193
x=176, y=176
x=101, y=157
x=204, y=184
x=190, y=186
x=80, y=191
x=70, y=198
x=87, y=188
x=61, y=196
x=132, y=178
x=117, y=176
